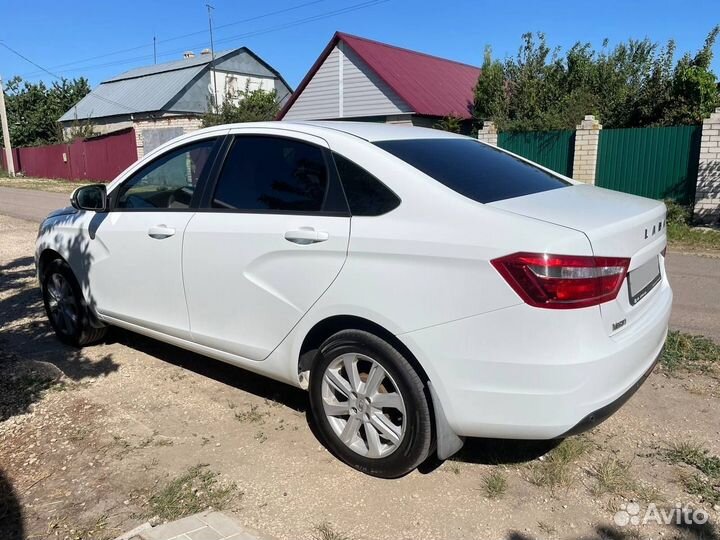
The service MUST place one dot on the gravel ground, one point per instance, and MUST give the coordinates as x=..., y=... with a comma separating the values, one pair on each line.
x=89, y=438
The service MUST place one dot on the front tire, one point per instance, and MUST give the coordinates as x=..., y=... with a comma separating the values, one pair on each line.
x=370, y=405
x=66, y=308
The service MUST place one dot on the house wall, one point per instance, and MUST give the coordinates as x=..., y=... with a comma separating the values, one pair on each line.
x=152, y=132
x=345, y=87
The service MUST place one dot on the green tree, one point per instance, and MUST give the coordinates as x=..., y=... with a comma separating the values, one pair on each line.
x=633, y=84
x=245, y=106
x=34, y=109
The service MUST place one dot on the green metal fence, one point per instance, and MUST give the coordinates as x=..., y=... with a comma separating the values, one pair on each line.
x=660, y=163
x=552, y=149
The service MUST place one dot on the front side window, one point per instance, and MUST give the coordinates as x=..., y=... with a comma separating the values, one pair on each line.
x=473, y=169
x=272, y=174
x=169, y=181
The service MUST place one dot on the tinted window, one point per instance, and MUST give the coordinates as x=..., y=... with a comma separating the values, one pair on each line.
x=366, y=195
x=271, y=173
x=169, y=181
x=478, y=171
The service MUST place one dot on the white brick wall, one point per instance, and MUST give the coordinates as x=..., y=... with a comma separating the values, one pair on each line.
x=707, y=192
x=587, y=138
x=488, y=133
x=187, y=123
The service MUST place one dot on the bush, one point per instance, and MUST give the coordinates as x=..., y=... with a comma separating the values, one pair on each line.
x=678, y=214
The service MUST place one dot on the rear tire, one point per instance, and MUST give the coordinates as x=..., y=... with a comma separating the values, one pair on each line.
x=66, y=307
x=369, y=405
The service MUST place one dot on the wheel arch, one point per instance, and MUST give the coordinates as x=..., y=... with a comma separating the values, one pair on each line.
x=46, y=256
x=325, y=328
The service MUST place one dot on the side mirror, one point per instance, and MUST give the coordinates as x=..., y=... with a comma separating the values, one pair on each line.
x=92, y=197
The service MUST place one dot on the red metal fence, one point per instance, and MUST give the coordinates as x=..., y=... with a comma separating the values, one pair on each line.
x=99, y=158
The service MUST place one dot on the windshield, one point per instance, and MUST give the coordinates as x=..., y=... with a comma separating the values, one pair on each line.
x=478, y=171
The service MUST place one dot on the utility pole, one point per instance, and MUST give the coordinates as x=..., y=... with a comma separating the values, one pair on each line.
x=212, y=58
x=6, y=132
x=154, y=50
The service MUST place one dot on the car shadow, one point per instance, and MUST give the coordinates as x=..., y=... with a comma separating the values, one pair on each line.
x=31, y=358
x=219, y=371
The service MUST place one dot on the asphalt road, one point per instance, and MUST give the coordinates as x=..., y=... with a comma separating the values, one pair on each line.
x=695, y=279
x=30, y=204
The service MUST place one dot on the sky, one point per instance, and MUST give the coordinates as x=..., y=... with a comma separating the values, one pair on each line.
x=100, y=39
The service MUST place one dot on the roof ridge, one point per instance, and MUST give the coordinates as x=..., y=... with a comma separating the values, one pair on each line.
x=342, y=35
x=169, y=68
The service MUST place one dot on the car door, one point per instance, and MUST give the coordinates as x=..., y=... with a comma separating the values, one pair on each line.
x=136, y=248
x=271, y=238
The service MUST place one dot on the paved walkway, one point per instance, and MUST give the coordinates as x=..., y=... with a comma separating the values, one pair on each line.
x=206, y=525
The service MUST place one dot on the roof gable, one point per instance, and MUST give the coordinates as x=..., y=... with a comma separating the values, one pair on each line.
x=430, y=85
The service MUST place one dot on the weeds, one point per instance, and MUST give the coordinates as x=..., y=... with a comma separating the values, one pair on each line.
x=555, y=470
x=546, y=528
x=686, y=352
x=495, y=484
x=251, y=416
x=694, y=454
x=192, y=492
x=325, y=531
x=681, y=232
x=612, y=475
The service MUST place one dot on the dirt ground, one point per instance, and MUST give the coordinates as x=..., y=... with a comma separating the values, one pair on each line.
x=89, y=438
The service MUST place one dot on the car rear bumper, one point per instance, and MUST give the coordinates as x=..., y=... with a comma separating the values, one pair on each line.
x=529, y=373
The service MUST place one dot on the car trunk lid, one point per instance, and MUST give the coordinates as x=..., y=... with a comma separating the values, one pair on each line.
x=617, y=225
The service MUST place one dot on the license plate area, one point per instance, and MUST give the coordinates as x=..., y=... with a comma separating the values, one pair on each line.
x=642, y=280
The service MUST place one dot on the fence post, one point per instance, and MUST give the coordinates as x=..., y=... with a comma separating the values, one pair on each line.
x=707, y=189
x=587, y=139
x=488, y=133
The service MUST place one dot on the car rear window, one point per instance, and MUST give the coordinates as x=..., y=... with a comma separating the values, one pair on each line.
x=478, y=171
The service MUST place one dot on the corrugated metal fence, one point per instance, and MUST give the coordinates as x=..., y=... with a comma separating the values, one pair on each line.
x=660, y=163
x=552, y=149
x=99, y=158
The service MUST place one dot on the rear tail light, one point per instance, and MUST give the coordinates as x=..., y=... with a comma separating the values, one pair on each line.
x=563, y=281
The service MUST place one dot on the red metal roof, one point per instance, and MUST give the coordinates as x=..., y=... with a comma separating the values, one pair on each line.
x=430, y=85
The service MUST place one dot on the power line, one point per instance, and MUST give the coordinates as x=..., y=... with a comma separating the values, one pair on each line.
x=175, y=38
x=58, y=77
x=284, y=26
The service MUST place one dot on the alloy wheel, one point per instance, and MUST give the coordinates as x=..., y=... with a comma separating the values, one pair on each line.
x=363, y=405
x=62, y=304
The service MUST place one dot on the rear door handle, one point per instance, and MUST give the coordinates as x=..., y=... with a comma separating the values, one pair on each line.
x=158, y=232
x=306, y=235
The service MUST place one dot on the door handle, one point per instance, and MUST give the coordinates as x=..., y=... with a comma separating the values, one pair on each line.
x=158, y=232
x=306, y=235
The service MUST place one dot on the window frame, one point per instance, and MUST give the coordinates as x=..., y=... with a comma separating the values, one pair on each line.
x=199, y=187
x=205, y=202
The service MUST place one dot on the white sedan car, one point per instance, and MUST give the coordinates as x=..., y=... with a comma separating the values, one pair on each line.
x=422, y=286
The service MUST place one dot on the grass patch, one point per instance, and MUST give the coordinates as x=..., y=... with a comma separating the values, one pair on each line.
x=612, y=475
x=325, y=531
x=706, y=481
x=41, y=184
x=495, y=484
x=556, y=469
x=681, y=233
x=192, y=492
x=689, y=353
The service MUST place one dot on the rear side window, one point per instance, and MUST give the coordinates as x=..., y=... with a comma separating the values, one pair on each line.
x=366, y=195
x=480, y=172
x=272, y=174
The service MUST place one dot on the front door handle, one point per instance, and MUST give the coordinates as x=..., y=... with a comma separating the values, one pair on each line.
x=306, y=235
x=158, y=232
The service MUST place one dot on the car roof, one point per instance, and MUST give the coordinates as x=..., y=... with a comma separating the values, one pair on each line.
x=369, y=131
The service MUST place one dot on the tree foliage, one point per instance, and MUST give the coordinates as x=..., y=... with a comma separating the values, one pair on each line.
x=634, y=84
x=244, y=106
x=34, y=109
